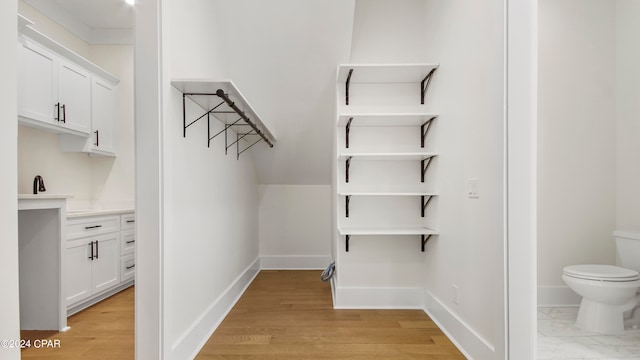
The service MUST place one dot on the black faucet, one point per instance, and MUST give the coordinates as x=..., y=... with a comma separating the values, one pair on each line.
x=38, y=184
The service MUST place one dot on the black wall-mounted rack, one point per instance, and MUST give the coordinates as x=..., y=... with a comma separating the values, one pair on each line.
x=243, y=122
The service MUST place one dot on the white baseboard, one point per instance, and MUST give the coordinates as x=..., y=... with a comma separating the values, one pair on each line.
x=549, y=296
x=467, y=340
x=294, y=262
x=378, y=298
x=192, y=340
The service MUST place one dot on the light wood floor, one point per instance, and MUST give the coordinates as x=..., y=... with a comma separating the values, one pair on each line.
x=104, y=331
x=289, y=315
x=282, y=315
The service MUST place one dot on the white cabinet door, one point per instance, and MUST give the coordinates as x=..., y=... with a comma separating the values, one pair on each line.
x=106, y=265
x=37, y=95
x=103, y=102
x=77, y=270
x=74, y=95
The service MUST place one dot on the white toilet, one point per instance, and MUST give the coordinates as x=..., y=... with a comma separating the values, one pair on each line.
x=607, y=291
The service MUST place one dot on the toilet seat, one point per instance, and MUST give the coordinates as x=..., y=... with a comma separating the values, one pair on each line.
x=607, y=273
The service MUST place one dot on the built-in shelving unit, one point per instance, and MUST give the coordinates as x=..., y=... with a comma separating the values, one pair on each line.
x=224, y=102
x=382, y=134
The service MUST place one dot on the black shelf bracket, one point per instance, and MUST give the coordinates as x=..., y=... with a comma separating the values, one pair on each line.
x=347, y=165
x=424, y=239
x=232, y=109
x=347, y=238
x=347, y=84
x=424, y=165
x=424, y=130
x=347, y=199
x=347, y=130
x=424, y=203
x=424, y=85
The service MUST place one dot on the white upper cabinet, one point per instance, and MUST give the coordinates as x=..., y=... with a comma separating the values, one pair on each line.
x=103, y=104
x=101, y=141
x=60, y=91
x=52, y=94
x=74, y=96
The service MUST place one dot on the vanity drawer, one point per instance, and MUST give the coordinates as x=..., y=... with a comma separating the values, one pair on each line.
x=128, y=242
x=127, y=268
x=128, y=221
x=92, y=225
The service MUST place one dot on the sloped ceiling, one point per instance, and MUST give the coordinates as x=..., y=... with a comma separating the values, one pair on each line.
x=283, y=55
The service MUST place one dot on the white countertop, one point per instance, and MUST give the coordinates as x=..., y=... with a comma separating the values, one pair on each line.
x=43, y=196
x=95, y=212
x=74, y=213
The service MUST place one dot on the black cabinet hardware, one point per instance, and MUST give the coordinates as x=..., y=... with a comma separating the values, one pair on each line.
x=92, y=227
x=91, y=244
x=64, y=113
x=131, y=241
x=96, y=249
x=130, y=221
x=97, y=138
x=131, y=267
x=57, y=106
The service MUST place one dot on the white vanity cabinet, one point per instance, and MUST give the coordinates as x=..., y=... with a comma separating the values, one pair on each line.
x=92, y=256
x=53, y=93
x=99, y=256
x=127, y=247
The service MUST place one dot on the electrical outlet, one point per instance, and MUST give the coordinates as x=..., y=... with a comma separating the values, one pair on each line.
x=454, y=294
x=473, y=188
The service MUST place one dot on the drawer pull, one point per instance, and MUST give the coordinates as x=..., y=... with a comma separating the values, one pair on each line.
x=92, y=227
x=130, y=221
x=131, y=241
x=131, y=267
x=96, y=249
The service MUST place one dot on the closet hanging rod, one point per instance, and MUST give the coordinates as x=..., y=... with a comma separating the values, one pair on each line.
x=232, y=105
x=221, y=94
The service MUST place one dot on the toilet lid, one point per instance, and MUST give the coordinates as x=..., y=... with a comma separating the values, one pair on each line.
x=601, y=272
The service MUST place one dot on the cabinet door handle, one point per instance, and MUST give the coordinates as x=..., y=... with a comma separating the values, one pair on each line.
x=131, y=241
x=130, y=267
x=64, y=113
x=96, y=249
x=92, y=227
x=130, y=221
x=91, y=244
x=97, y=138
x=57, y=106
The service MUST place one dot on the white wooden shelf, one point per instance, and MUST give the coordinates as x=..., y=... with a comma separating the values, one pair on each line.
x=385, y=73
x=386, y=96
x=385, y=119
x=345, y=230
x=386, y=193
x=417, y=155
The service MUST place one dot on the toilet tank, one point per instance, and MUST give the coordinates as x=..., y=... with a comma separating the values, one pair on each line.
x=628, y=249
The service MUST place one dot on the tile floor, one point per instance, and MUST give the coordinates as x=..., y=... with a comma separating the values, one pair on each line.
x=559, y=338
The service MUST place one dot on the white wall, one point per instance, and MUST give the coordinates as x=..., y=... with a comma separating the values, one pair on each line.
x=47, y=26
x=94, y=182
x=627, y=113
x=466, y=38
x=210, y=220
x=294, y=225
x=576, y=136
x=9, y=301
